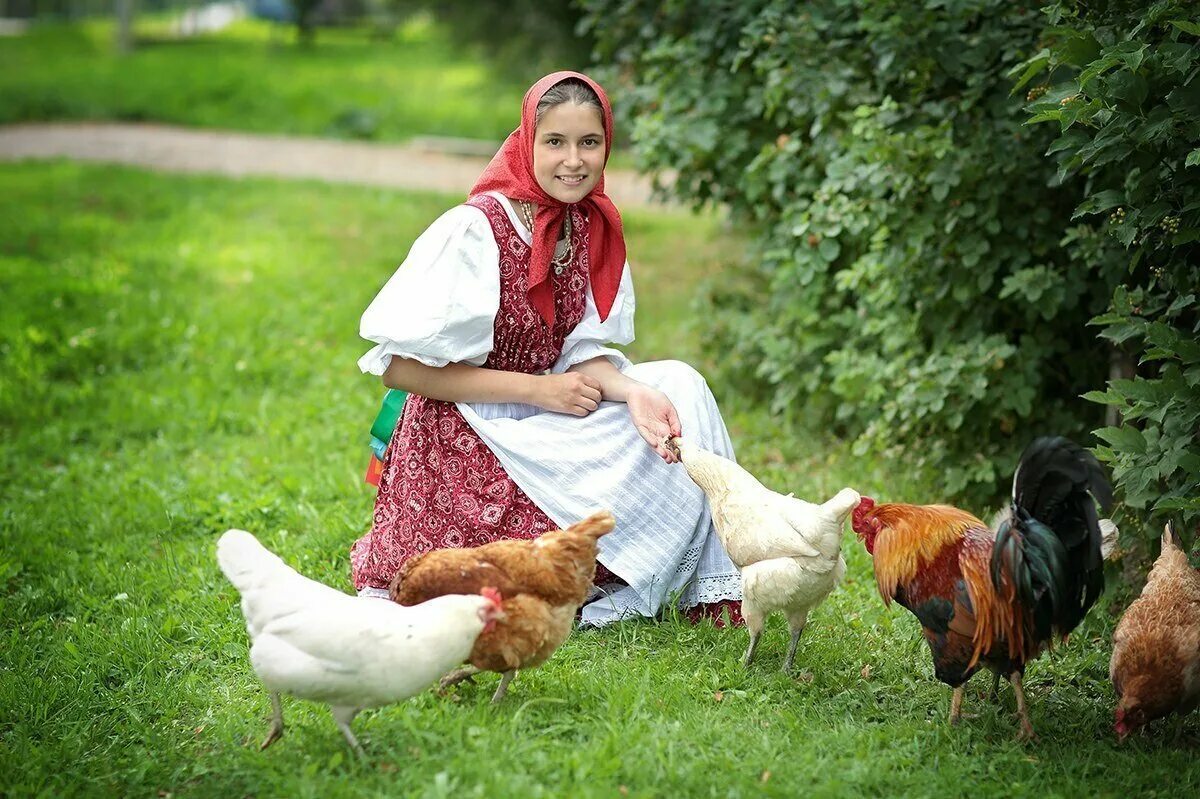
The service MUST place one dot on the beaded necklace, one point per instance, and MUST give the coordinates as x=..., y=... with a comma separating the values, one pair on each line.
x=559, y=261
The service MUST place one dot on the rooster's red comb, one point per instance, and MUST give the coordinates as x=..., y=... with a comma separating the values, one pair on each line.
x=492, y=594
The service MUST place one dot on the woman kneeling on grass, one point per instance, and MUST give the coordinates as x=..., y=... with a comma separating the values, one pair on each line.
x=520, y=418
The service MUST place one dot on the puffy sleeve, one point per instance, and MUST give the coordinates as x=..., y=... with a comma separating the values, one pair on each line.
x=440, y=305
x=590, y=336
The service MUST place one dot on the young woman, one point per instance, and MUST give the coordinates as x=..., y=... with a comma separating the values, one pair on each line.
x=520, y=417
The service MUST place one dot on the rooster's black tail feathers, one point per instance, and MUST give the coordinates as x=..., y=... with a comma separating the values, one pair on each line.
x=1050, y=544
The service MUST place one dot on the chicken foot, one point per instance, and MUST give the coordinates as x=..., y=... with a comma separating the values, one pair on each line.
x=502, y=688
x=1027, y=733
x=458, y=675
x=276, y=722
x=343, y=716
x=956, y=714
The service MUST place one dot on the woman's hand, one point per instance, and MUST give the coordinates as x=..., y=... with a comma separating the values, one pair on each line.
x=570, y=392
x=654, y=417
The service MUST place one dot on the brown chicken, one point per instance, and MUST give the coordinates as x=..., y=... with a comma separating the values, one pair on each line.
x=1156, y=648
x=543, y=582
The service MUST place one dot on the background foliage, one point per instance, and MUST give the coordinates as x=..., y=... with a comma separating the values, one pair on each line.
x=420, y=82
x=925, y=284
x=521, y=36
x=1120, y=82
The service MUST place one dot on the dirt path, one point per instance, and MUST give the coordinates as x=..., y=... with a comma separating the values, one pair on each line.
x=171, y=149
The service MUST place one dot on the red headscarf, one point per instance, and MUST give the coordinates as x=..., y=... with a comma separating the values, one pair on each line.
x=511, y=173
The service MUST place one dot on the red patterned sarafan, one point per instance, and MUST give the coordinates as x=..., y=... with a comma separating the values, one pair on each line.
x=441, y=486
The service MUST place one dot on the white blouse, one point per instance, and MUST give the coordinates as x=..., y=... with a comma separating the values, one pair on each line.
x=440, y=305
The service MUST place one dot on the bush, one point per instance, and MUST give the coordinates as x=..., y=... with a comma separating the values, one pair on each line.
x=522, y=37
x=923, y=286
x=1121, y=83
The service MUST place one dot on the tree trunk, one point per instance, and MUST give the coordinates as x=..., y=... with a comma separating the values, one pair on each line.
x=1120, y=367
x=124, y=26
x=306, y=25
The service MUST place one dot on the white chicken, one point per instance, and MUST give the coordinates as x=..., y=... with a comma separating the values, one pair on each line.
x=315, y=642
x=789, y=551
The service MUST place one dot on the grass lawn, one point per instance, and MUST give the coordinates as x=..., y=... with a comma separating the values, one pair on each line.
x=249, y=77
x=178, y=358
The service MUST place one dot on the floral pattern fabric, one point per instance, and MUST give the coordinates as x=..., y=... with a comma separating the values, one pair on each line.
x=441, y=486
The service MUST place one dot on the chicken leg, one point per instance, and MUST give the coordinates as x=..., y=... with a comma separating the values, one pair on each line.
x=343, y=716
x=995, y=694
x=797, y=626
x=956, y=705
x=754, y=623
x=1027, y=733
x=276, y=722
x=502, y=688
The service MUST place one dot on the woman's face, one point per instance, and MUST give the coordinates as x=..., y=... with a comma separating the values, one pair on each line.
x=568, y=151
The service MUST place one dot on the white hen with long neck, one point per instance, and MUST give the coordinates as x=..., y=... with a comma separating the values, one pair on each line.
x=788, y=550
x=349, y=652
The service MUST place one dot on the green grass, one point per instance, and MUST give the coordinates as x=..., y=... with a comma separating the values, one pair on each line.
x=252, y=78
x=178, y=358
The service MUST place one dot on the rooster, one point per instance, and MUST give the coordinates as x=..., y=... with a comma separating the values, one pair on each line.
x=789, y=551
x=996, y=598
x=543, y=582
x=351, y=653
x=1155, y=664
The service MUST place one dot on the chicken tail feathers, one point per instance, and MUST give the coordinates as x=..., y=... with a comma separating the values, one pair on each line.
x=246, y=562
x=1052, y=477
x=1049, y=547
x=842, y=503
x=1034, y=560
x=594, y=526
x=1170, y=539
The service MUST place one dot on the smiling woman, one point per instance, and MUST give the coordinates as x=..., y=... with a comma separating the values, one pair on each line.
x=521, y=418
x=569, y=147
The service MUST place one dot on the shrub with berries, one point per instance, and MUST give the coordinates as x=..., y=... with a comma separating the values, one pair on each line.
x=1136, y=140
x=933, y=232
x=913, y=287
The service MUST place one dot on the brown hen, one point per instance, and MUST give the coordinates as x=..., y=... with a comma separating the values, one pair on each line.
x=542, y=581
x=1155, y=663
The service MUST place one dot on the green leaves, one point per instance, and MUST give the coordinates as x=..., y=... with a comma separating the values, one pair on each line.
x=1136, y=156
x=829, y=249
x=1187, y=27
x=927, y=258
x=1128, y=53
x=1129, y=89
x=1029, y=69
x=1124, y=438
x=1099, y=202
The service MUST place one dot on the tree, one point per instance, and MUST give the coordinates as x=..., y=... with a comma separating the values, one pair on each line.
x=125, y=12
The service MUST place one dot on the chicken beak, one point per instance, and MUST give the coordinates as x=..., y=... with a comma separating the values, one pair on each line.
x=494, y=616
